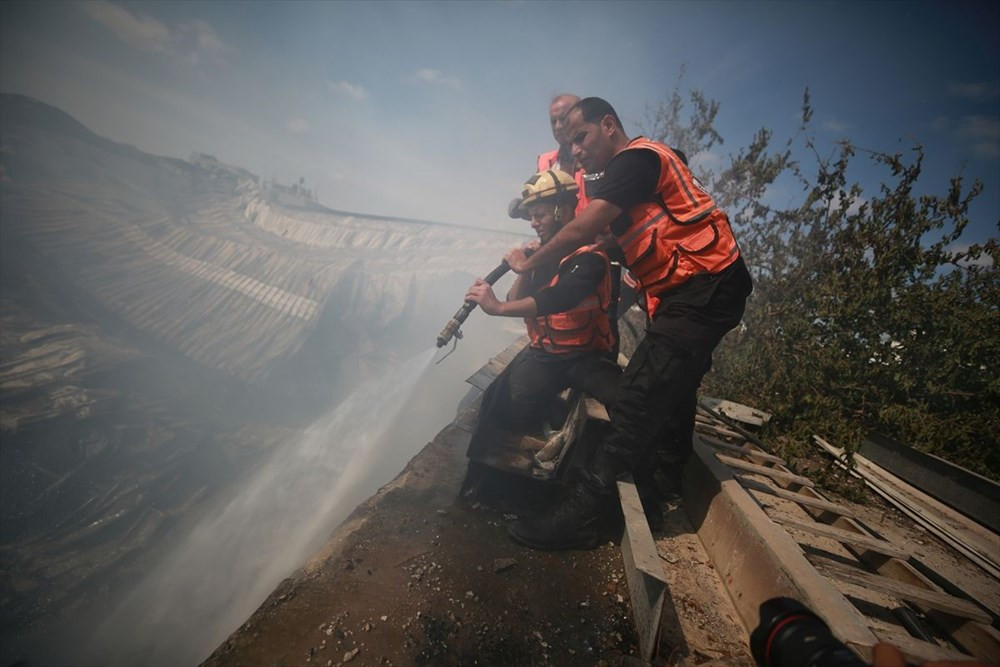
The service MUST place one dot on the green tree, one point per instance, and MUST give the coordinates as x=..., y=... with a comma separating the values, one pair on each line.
x=866, y=314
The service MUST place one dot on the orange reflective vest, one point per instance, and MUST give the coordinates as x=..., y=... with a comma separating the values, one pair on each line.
x=680, y=235
x=550, y=160
x=583, y=327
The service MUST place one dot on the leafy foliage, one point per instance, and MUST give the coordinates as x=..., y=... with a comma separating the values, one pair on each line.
x=867, y=313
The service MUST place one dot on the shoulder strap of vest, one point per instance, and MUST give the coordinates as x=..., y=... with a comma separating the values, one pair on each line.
x=594, y=248
x=547, y=159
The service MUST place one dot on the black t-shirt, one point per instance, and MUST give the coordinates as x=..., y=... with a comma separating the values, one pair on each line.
x=578, y=279
x=631, y=178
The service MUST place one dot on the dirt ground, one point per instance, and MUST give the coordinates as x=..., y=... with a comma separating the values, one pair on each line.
x=418, y=576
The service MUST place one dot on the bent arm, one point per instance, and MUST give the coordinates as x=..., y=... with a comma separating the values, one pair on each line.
x=520, y=287
x=482, y=293
x=581, y=230
x=525, y=307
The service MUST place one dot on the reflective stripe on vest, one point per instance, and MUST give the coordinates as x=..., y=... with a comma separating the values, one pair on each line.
x=581, y=195
x=585, y=326
x=681, y=235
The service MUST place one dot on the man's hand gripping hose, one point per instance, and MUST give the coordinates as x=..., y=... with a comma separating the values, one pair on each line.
x=452, y=330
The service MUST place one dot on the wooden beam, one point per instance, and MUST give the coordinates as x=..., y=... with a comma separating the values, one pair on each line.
x=718, y=430
x=737, y=411
x=742, y=451
x=800, y=498
x=844, y=536
x=647, y=583
x=924, y=510
x=765, y=471
x=977, y=639
x=933, y=599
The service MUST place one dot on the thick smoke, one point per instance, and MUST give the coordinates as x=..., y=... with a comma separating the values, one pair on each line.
x=207, y=382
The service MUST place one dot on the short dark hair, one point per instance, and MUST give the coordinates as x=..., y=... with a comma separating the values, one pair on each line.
x=594, y=109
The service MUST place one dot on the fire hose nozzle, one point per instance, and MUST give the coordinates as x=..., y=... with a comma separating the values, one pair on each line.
x=451, y=330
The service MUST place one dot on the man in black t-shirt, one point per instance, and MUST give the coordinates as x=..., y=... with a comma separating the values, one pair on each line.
x=680, y=248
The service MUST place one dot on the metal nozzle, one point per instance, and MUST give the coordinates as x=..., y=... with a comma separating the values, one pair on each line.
x=451, y=330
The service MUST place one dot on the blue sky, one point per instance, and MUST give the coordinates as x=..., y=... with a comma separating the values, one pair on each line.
x=436, y=110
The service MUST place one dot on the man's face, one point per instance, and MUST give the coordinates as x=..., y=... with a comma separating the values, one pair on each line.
x=557, y=118
x=543, y=221
x=592, y=145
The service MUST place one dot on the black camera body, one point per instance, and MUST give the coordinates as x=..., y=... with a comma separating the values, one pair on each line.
x=790, y=635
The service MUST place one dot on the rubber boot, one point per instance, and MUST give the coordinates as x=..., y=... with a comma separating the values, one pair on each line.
x=577, y=521
x=669, y=476
x=583, y=516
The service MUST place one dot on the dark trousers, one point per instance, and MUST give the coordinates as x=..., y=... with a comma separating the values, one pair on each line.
x=657, y=395
x=520, y=397
x=656, y=405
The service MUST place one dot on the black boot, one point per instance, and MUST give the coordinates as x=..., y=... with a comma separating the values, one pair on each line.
x=669, y=477
x=578, y=521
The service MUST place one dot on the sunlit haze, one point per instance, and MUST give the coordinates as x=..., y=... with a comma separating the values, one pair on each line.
x=435, y=110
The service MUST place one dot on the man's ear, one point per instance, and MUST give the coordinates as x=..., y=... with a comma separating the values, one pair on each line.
x=608, y=125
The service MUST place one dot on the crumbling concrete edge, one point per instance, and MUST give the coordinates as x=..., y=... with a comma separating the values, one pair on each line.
x=755, y=558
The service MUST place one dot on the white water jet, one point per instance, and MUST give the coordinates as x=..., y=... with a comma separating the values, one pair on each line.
x=233, y=558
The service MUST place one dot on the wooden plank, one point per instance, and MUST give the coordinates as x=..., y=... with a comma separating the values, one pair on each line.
x=742, y=451
x=920, y=508
x=718, y=430
x=934, y=599
x=973, y=536
x=800, y=498
x=765, y=471
x=731, y=423
x=480, y=380
x=916, y=651
x=737, y=411
x=844, y=536
x=961, y=489
x=643, y=570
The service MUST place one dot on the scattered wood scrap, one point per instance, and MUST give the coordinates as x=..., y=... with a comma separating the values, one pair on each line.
x=976, y=542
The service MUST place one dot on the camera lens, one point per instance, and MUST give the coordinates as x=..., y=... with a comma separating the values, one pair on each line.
x=789, y=635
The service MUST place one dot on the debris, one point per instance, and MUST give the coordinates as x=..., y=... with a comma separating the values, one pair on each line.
x=501, y=564
x=350, y=654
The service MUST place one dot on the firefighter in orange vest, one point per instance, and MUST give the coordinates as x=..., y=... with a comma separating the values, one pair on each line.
x=561, y=158
x=680, y=248
x=565, y=304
